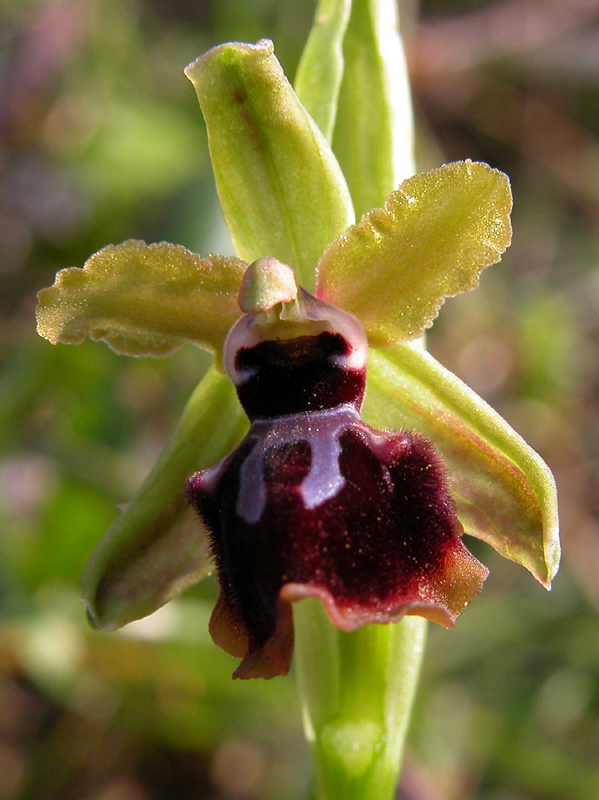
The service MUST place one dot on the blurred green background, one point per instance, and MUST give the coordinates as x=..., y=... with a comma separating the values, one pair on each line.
x=102, y=140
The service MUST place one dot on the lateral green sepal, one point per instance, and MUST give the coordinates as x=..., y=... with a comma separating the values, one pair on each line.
x=504, y=491
x=156, y=548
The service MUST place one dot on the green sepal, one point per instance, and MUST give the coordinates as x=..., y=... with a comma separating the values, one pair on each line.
x=143, y=300
x=373, y=136
x=320, y=70
x=432, y=239
x=504, y=492
x=280, y=186
x=156, y=548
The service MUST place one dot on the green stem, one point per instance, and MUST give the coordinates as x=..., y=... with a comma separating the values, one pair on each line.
x=356, y=691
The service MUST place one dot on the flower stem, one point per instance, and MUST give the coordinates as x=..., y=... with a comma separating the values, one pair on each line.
x=356, y=691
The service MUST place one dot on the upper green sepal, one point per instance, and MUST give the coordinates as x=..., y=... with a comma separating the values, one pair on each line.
x=435, y=235
x=504, y=492
x=280, y=186
x=143, y=300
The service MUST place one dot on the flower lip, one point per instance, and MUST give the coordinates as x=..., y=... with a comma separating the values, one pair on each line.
x=325, y=506
x=296, y=376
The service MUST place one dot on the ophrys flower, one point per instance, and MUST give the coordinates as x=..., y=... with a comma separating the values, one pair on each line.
x=392, y=271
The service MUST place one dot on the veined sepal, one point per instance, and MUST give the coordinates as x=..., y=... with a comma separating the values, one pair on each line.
x=280, y=186
x=504, y=492
x=156, y=548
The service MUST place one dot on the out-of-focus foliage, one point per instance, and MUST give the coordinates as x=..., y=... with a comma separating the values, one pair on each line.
x=102, y=141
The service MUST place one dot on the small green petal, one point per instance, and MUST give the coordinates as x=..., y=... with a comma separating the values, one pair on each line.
x=143, y=300
x=504, y=491
x=395, y=268
x=320, y=70
x=280, y=187
x=156, y=548
x=373, y=137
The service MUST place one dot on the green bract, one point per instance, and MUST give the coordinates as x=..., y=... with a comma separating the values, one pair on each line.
x=284, y=195
x=353, y=80
x=321, y=68
x=373, y=129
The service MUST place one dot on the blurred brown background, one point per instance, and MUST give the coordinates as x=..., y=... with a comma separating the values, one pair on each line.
x=102, y=140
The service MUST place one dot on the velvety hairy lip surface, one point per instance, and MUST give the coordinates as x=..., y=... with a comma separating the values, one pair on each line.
x=387, y=544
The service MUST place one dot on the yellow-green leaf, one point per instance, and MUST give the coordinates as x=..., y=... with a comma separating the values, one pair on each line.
x=504, y=492
x=157, y=547
x=373, y=136
x=143, y=300
x=434, y=236
x=280, y=187
x=320, y=70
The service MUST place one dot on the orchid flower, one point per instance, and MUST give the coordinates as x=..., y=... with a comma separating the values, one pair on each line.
x=316, y=314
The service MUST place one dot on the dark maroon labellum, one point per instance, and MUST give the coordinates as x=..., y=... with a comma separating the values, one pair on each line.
x=314, y=502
